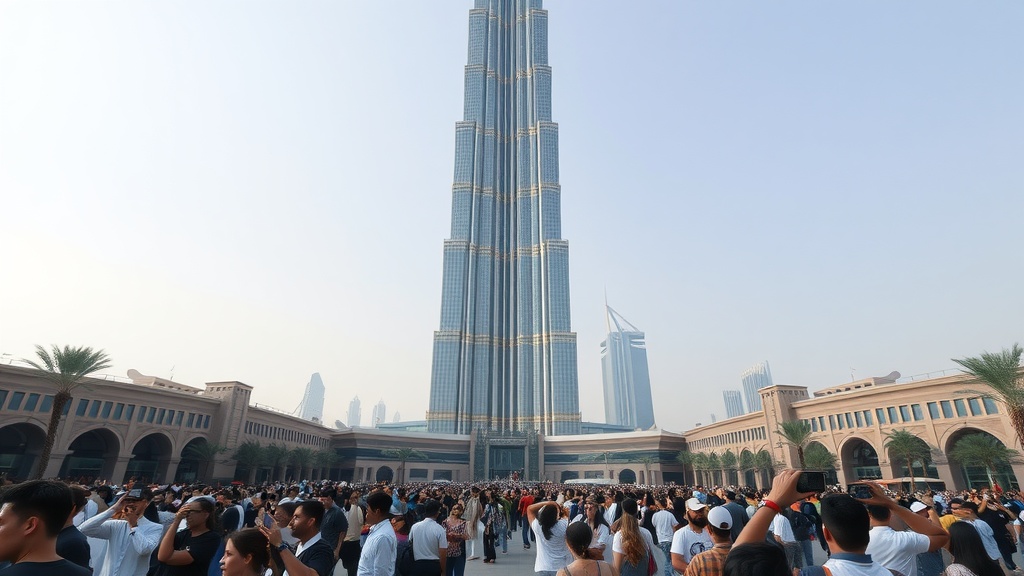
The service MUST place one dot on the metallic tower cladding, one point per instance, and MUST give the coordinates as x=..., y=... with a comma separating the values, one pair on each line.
x=380, y=412
x=627, y=382
x=355, y=412
x=313, y=399
x=505, y=356
x=754, y=378
x=733, y=403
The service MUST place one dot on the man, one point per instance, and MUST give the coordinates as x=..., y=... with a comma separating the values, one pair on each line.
x=381, y=547
x=335, y=523
x=691, y=539
x=711, y=562
x=233, y=517
x=312, y=557
x=71, y=543
x=846, y=527
x=31, y=517
x=928, y=563
x=350, y=546
x=782, y=531
x=190, y=551
x=738, y=512
x=130, y=537
x=998, y=517
x=968, y=512
x=292, y=495
x=429, y=542
x=525, y=502
x=665, y=526
x=898, y=551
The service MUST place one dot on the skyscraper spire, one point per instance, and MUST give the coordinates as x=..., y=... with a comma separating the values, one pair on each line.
x=505, y=354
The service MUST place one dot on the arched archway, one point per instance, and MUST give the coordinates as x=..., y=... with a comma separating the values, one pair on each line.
x=20, y=447
x=150, y=457
x=192, y=467
x=859, y=460
x=93, y=455
x=975, y=475
x=627, y=476
x=385, y=474
x=568, y=475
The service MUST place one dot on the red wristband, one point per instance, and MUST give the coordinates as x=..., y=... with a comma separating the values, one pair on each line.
x=769, y=504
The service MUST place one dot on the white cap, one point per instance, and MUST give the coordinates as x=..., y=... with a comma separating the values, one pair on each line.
x=918, y=506
x=719, y=517
x=694, y=504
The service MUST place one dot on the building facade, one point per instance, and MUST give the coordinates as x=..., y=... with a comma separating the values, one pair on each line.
x=754, y=378
x=733, y=403
x=312, y=406
x=355, y=413
x=627, y=381
x=504, y=356
x=380, y=413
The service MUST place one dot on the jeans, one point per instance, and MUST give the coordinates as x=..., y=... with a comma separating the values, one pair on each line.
x=527, y=533
x=666, y=547
x=808, y=548
x=503, y=538
x=489, y=552
x=456, y=565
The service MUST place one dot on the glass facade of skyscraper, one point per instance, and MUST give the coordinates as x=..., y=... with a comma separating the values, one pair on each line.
x=754, y=378
x=627, y=381
x=313, y=399
x=504, y=357
x=733, y=403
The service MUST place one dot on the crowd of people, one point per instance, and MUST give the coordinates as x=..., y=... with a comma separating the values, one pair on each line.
x=49, y=527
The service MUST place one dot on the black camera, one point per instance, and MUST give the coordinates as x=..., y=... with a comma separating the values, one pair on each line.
x=810, y=481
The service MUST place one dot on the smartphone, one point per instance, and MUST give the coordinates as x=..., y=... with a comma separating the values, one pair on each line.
x=810, y=481
x=860, y=491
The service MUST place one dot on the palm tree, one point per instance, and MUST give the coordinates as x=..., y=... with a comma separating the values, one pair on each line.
x=250, y=455
x=982, y=450
x=64, y=369
x=906, y=446
x=700, y=467
x=820, y=458
x=205, y=454
x=276, y=456
x=746, y=463
x=763, y=462
x=796, y=433
x=686, y=459
x=301, y=458
x=325, y=459
x=403, y=455
x=714, y=465
x=729, y=462
x=646, y=462
x=1002, y=374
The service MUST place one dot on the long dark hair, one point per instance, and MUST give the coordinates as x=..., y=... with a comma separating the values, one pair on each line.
x=598, y=514
x=967, y=549
x=547, y=516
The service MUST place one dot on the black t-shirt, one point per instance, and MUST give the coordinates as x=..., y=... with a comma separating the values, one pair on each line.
x=72, y=545
x=202, y=548
x=61, y=567
x=319, y=557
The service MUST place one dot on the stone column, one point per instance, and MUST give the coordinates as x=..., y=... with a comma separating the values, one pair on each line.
x=120, y=469
x=166, y=469
x=948, y=475
x=52, y=467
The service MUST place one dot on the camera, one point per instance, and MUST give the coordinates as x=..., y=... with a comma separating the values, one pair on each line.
x=810, y=481
x=860, y=491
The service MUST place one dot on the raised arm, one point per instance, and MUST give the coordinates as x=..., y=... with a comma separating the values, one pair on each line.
x=782, y=495
x=937, y=537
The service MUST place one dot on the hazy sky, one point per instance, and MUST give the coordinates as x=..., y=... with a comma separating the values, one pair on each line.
x=259, y=190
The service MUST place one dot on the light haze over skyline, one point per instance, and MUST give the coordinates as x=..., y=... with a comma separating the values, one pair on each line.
x=258, y=191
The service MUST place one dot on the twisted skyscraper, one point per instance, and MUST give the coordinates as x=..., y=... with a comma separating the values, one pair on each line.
x=505, y=355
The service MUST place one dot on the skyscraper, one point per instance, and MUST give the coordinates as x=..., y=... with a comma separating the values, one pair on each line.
x=504, y=357
x=627, y=383
x=754, y=378
x=354, y=413
x=733, y=403
x=380, y=411
x=312, y=406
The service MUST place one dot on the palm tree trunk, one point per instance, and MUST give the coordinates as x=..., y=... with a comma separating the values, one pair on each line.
x=1017, y=421
x=910, y=466
x=800, y=455
x=988, y=472
x=252, y=474
x=60, y=400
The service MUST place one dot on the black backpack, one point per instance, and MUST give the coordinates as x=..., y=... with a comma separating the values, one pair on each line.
x=406, y=562
x=802, y=525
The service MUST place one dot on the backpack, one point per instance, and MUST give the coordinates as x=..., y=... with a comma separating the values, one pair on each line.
x=406, y=562
x=802, y=526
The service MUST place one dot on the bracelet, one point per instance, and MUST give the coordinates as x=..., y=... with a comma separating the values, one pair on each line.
x=769, y=504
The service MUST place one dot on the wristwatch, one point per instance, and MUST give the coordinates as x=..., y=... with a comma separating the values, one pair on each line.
x=282, y=547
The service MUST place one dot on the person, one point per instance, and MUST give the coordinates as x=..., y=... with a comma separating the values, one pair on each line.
x=283, y=518
x=782, y=531
x=233, y=516
x=245, y=553
x=32, y=516
x=455, y=531
x=578, y=539
x=472, y=517
x=712, y=562
x=500, y=521
x=71, y=543
x=552, y=552
x=968, y=552
x=665, y=525
x=312, y=556
x=808, y=509
x=738, y=512
x=487, y=520
x=189, y=552
x=691, y=539
x=967, y=511
x=131, y=537
x=898, y=551
x=525, y=502
x=593, y=515
x=381, y=547
x=350, y=545
x=751, y=553
x=632, y=548
x=998, y=517
x=928, y=563
x=430, y=542
x=335, y=521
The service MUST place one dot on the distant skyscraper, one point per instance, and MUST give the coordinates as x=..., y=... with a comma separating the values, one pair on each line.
x=627, y=383
x=754, y=378
x=354, y=413
x=398, y=417
x=505, y=354
x=733, y=403
x=313, y=399
x=380, y=411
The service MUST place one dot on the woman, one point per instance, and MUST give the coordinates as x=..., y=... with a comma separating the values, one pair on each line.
x=500, y=521
x=632, y=545
x=578, y=537
x=400, y=522
x=593, y=516
x=552, y=552
x=246, y=553
x=969, y=556
x=487, y=519
x=455, y=528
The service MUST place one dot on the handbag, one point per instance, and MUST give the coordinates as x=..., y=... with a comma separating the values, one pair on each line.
x=652, y=564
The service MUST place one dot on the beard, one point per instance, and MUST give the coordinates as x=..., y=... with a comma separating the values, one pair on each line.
x=699, y=522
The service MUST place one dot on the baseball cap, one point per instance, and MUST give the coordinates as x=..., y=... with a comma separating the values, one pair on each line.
x=719, y=517
x=694, y=504
x=918, y=506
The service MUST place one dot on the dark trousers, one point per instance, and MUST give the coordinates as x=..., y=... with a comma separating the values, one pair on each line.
x=489, y=552
x=349, y=556
x=428, y=568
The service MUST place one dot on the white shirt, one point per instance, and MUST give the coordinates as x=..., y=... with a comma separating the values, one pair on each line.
x=664, y=524
x=988, y=538
x=688, y=543
x=128, y=549
x=897, y=550
x=427, y=537
x=553, y=554
x=645, y=534
x=783, y=529
x=851, y=568
x=90, y=510
x=609, y=513
x=379, y=551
